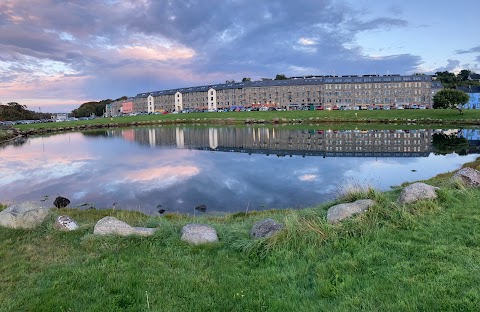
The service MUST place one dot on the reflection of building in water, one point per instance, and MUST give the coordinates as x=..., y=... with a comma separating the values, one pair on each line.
x=180, y=137
x=213, y=137
x=282, y=142
x=152, y=137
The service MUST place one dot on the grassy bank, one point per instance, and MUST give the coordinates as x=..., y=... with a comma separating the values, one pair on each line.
x=400, y=116
x=423, y=256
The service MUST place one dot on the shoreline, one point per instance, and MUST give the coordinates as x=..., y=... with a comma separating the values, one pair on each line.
x=312, y=121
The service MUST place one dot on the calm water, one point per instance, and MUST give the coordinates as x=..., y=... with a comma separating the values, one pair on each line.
x=226, y=169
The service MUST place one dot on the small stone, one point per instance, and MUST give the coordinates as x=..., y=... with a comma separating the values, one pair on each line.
x=65, y=223
x=199, y=234
x=343, y=211
x=61, y=202
x=265, y=228
x=417, y=191
x=201, y=208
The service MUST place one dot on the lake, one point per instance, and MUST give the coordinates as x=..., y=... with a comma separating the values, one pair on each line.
x=227, y=169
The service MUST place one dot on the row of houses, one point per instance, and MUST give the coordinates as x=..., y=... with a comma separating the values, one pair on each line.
x=317, y=92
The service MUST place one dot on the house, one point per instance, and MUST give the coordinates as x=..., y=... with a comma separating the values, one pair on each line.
x=474, y=96
x=474, y=77
x=59, y=117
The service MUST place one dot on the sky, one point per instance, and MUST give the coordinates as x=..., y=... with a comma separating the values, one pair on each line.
x=57, y=54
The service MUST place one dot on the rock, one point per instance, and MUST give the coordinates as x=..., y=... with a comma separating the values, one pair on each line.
x=61, y=202
x=111, y=225
x=201, y=208
x=265, y=228
x=468, y=176
x=65, y=223
x=417, y=191
x=25, y=215
x=343, y=211
x=199, y=234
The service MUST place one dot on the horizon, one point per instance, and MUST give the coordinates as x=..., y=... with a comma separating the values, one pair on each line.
x=57, y=56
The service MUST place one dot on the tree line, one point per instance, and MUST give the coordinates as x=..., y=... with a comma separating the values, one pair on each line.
x=450, y=80
x=94, y=108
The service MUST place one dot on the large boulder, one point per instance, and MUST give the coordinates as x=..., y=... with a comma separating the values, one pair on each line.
x=111, y=225
x=417, y=191
x=468, y=176
x=65, y=223
x=199, y=234
x=26, y=215
x=61, y=202
x=343, y=211
x=265, y=228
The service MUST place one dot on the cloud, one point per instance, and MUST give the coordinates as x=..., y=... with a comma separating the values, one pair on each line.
x=452, y=66
x=382, y=23
x=472, y=50
x=92, y=49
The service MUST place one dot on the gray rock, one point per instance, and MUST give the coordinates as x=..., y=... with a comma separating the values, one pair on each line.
x=343, y=211
x=468, y=176
x=199, y=234
x=265, y=228
x=417, y=191
x=25, y=215
x=111, y=225
x=65, y=223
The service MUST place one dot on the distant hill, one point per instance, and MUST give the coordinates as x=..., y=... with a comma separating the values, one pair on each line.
x=13, y=111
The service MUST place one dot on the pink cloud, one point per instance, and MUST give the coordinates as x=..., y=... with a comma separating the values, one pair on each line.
x=164, y=173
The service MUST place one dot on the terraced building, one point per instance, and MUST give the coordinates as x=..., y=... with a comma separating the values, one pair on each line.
x=314, y=92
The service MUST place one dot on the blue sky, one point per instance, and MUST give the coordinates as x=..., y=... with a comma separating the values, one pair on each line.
x=55, y=55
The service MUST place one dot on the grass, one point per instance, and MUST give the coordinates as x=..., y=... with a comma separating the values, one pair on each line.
x=400, y=116
x=423, y=256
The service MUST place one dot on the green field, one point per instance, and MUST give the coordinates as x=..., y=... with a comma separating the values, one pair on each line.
x=400, y=116
x=418, y=257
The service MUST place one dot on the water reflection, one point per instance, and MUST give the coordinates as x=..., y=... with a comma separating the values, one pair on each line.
x=179, y=168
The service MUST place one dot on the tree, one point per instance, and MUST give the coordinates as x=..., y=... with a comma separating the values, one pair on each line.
x=246, y=79
x=230, y=81
x=89, y=108
x=448, y=79
x=280, y=77
x=449, y=98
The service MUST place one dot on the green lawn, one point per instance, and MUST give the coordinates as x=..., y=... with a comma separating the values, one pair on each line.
x=419, y=257
x=444, y=116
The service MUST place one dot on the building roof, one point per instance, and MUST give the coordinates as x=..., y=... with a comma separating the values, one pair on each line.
x=295, y=81
x=474, y=76
x=469, y=89
x=437, y=85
